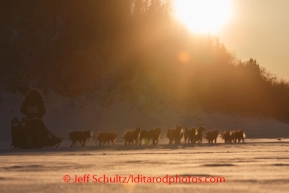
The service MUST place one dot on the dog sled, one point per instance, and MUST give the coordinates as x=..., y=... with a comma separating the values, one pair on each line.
x=27, y=134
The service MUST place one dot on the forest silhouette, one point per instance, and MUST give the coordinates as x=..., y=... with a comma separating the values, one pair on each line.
x=130, y=48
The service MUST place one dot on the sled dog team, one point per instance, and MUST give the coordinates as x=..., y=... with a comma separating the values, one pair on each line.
x=137, y=136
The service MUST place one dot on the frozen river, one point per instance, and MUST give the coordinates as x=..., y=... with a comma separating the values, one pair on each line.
x=256, y=166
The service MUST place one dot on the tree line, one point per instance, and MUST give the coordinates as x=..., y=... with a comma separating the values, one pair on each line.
x=129, y=48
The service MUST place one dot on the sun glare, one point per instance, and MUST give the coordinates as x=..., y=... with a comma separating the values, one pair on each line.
x=203, y=16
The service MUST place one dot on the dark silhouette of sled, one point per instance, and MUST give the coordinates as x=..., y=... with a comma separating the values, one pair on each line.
x=32, y=133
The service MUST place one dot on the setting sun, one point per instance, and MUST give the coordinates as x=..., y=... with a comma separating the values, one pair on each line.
x=203, y=16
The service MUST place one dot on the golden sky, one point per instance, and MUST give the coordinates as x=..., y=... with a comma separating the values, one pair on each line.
x=259, y=29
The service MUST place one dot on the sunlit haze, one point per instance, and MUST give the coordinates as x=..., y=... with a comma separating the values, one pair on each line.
x=203, y=16
x=250, y=29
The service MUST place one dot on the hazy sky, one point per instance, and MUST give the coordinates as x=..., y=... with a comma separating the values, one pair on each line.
x=259, y=29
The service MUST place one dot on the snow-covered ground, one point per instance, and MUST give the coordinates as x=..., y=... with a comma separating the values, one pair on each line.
x=258, y=165
x=64, y=114
x=261, y=164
